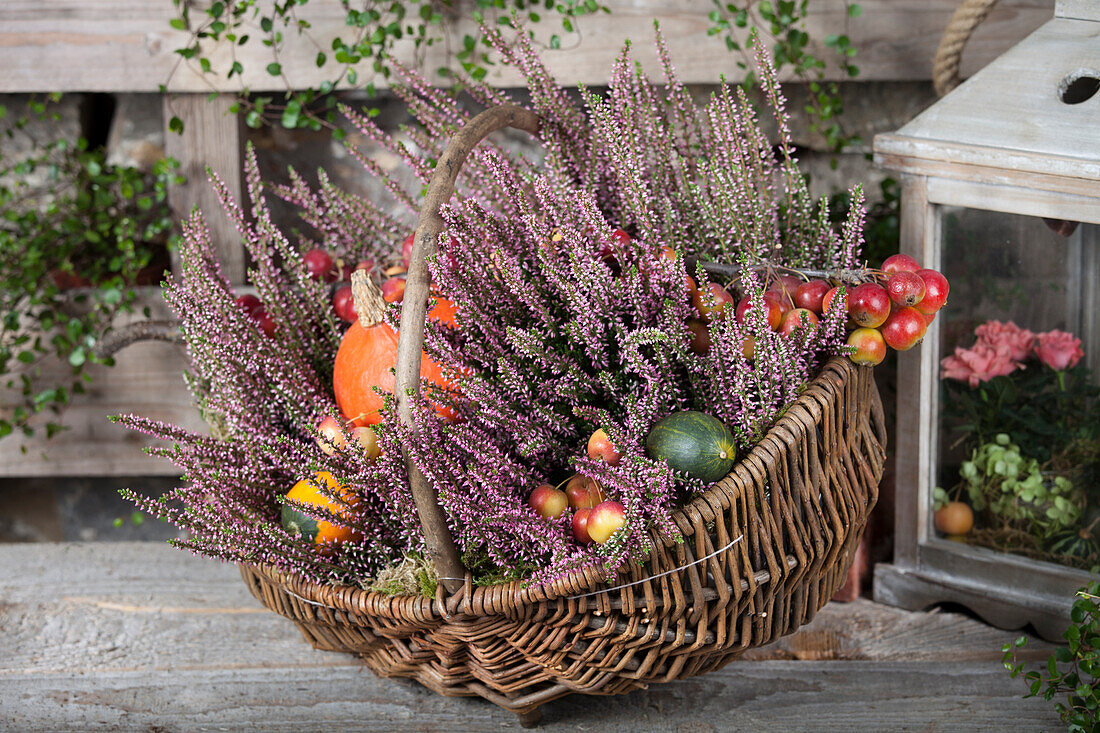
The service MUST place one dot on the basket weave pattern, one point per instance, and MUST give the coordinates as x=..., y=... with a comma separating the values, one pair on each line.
x=798, y=502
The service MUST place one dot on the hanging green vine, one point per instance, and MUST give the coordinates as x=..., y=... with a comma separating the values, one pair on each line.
x=373, y=29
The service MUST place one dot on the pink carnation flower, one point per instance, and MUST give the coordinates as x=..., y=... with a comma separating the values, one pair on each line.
x=980, y=363
x=1059, y=350
x=1019, y=341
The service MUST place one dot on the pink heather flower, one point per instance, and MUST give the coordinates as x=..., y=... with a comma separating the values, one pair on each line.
x=1019, y=341
x=1059, y=350
x=979, y=363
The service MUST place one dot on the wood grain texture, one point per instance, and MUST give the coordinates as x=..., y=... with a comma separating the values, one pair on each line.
x=147, y=379
x=1009, y=117
x=138, y=635
x=127, y=45
x=211, y=139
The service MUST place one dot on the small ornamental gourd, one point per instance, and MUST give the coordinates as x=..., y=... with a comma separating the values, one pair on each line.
x=368, y=353
x=694, y=443
x=318, y=531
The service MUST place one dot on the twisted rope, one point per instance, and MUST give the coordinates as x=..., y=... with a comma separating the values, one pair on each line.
x=945, y=66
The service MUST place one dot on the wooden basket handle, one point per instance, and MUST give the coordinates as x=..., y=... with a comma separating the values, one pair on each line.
x=410, y=341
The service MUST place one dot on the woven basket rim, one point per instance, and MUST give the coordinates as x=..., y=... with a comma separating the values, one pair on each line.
x=800, y=416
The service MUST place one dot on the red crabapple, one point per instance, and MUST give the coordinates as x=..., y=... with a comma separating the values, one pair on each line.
x=904, y=328
x=407, y=249
x=869, y=344
x=721, y=297
x=548, y=501
x=329, y=438
x=827, y=300
x=248, y=303
x=393, y=289
x=343, y=304
x=700, y=336
x=809, y=295
x=869, y=305
x=580, y=526
x=936, y=289
x=318, y=264
x=899, y=262
x=905, y=288
x=797, y=318
x=600, y=447
x=606, y=519
x=772, y=311
x=582, y=492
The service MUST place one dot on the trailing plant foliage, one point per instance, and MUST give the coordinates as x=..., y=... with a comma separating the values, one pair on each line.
x=783, y=22
x=373, y=30
x=563, y=326
x=1072, y=673
x=75, y=235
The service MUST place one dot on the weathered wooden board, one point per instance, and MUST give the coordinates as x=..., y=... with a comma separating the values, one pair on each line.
x=1008, y=123
x=147, y=379
x=211, y=139
x=116, y=635
x=127, y=45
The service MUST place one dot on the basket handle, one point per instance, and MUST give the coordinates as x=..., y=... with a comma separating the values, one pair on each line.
x=410, y=341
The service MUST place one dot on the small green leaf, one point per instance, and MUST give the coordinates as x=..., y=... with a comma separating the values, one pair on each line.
x=274, y=69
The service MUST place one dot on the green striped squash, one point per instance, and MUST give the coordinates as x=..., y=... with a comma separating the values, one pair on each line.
x=298, y=523
x=693, y=443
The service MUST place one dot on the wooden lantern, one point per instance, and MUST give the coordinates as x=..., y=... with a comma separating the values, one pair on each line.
x=1016, y=144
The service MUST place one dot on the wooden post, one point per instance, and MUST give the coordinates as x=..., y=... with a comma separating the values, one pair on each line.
x=211, y=139
x=914, y=411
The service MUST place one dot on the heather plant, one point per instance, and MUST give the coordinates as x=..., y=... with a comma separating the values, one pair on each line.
x=564, y=325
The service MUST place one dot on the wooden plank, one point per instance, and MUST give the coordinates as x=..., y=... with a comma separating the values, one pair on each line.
x=211, y=138
x=147, y=379
x=986, y=164
x=1078, y=9
x=127, y=45
x=137, y=635
x=1010, y=117
x=1014, y=200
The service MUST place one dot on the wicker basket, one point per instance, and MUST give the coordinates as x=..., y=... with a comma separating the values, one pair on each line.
x=763, y=550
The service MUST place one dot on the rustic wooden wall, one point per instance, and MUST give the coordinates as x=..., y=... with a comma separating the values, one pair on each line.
x=128, y=46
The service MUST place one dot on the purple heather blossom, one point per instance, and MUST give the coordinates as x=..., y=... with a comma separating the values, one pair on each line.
x=562, y=328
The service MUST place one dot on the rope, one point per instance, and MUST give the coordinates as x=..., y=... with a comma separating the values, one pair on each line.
x=945, y=67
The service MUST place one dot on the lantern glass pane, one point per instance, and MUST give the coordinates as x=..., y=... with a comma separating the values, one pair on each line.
x=1018, y=424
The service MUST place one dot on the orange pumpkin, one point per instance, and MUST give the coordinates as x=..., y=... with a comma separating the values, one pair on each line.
x=319, y=531
x=364, y=360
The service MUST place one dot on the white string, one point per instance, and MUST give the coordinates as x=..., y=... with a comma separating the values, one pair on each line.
x=719, y=551
x=660, y=575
